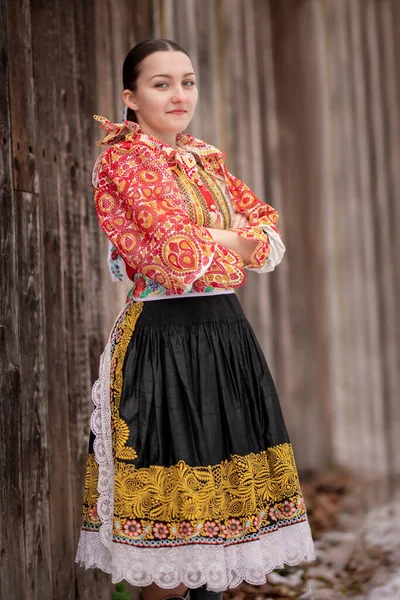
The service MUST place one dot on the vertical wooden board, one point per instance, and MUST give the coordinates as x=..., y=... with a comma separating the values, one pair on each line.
x=365, y=320
x=34, y=423
x=387, y=353
x=376, y=204
x=240, y=144
x=34, y=440
x=296, y=75
x=85, y=24
x=389, y=122
x=206, y=73
x=391, y=22
x=221, y=40
x=104, y=65
x=167, y=23
x=12, y=550
x=48, y=62
x=119, y=27
x=141, y=19
x=352, y=331
x=274, y=295
x=253, y=110
x=338, y=233
x=285, y=63
x=72, y=210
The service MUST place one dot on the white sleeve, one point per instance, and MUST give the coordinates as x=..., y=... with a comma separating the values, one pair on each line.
x=277, y=250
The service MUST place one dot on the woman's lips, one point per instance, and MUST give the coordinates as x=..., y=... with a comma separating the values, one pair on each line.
x=177, y=112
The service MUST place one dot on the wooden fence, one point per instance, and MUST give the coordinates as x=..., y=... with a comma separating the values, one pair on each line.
x=303, y=96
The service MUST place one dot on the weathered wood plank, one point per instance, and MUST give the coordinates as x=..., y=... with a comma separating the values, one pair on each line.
x=49, y=65
x=274, y=296
x=12, y=550
x=305, y=394
x=365, y=316
x=34, y=426
x=30, y=300
x=387, y=353
x=391, y=45
x=141, y=21
x=389, y=125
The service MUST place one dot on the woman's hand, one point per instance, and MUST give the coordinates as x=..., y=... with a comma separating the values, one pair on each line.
x=238, y=220
x=233, y=241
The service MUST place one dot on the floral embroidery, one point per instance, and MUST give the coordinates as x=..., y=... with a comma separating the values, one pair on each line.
x=211, y=529
x=93, y=514
x=90, y=517
x=285, y=510
x=144, y=532
x=160, y=531
x=288, y=508
x=234, y=526
x=185, y=529
x=120, y=338
x=132, y=528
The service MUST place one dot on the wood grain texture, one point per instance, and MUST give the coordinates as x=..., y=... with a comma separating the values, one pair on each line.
x=31, y=323
x=12, y=533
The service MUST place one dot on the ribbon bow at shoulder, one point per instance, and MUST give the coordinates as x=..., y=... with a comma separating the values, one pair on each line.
x=117, y=131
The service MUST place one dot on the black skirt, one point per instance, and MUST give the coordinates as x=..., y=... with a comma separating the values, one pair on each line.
x=191, y=476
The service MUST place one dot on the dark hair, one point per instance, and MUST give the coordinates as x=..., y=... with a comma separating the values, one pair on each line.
x=131, y=66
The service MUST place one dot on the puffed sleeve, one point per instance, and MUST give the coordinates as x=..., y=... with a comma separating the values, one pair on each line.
x=262, y=226
x=139, y=209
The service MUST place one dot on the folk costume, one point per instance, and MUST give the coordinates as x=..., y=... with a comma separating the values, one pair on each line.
x=190, y=473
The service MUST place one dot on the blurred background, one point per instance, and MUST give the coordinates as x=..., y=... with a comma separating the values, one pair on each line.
x=303, y=96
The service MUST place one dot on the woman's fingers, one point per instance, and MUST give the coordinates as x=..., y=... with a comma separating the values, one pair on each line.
x=239, y=220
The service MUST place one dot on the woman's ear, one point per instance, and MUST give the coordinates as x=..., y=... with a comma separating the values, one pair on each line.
x=129, y=98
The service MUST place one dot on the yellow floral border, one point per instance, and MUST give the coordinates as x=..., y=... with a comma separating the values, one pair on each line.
x=123, y=330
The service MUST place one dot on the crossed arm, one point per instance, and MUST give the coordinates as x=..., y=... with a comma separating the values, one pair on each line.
x=230, y=239
x=138, y=208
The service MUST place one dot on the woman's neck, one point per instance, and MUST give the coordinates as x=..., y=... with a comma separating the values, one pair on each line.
x=165, y=138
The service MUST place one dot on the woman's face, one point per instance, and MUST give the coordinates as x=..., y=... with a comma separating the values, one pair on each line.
x=166, y=95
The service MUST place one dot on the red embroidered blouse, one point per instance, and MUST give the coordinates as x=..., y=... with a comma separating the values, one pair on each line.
x=154, y=203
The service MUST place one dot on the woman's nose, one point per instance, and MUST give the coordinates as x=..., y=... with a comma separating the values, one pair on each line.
x=179, y=95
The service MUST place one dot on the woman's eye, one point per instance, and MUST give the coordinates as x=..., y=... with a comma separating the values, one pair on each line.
x=160, y=85
x=189, y=83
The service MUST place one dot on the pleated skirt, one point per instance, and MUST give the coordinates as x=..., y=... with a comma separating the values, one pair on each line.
x=190, y=474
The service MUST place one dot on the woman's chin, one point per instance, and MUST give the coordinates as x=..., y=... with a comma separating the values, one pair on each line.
x=178, y=122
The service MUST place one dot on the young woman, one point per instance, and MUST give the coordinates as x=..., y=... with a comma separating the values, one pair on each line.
x=191, y=480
